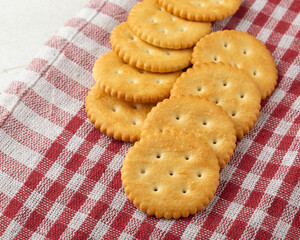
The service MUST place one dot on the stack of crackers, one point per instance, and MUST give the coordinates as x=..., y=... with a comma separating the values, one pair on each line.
x=185, y=121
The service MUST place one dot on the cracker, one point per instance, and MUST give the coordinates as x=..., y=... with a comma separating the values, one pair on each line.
x=129, y=83
x=201, y=10
x=113, y=117
x=145, y=56
x=150, y=22
x=201, y=117
x=170, y=174
x=230, y=87
x=242, y=50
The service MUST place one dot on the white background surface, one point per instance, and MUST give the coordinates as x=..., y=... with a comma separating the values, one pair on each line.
x=24, y=27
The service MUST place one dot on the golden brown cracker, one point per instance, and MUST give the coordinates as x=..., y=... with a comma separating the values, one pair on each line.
x=150, y=22
x=229, y=87
x=114, y=117
x=201, y=117
x=170, y=174
x=201, y=10
x=125, y=82
x=145, y=56
x=242, y=50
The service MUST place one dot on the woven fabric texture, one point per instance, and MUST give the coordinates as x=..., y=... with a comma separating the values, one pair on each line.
x=60, y=177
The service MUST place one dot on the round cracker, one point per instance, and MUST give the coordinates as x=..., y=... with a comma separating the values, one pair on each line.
x=201, y=10
x=125, y=82
x=170, y=174
x=196, y=115
x=145, y=56
x=231, y=88
x=114, y=117
x=150, y=22
x=242, y=50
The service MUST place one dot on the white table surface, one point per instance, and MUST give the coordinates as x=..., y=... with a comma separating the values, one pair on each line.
x=24, y=27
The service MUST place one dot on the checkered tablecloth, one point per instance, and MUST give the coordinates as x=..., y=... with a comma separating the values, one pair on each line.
x=60, y=177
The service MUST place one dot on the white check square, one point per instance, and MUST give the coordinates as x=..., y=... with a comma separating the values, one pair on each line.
x=266, y=154
x=278, y=13
x=233, y=210
x=8, y=185
x=250, y=181
x=257, y=218
x=76, y=181
x=33, y=200
x=273, y=187
x=283, y=127
x=55, y=211
x=54, y=171
x=289, y=158
x=217, y=236
x=74, y=143
x=119, y=200
x=77, y=220
x=281, y=229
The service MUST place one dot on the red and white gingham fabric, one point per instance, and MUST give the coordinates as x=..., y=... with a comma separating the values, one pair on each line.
x=60, y=177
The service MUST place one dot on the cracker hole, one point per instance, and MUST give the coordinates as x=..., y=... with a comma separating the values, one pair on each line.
x=199, y=175
x=153, y=20
x=177, y=118
x=155, y=189
x=199, y=89
x=242, y=96
x=158, y=156
x=167, y=53
x=134, y=123
x=160, y=130
x=187, y=158
x=215, y=58
x=171, y=173
x=142, y=71
x=131, y=81
x=116, y=71
x=172, y=19
x=160, y=8
x=233, y=114
x=164, y=31
x=132, y=37
x=184, y=191
x=114, y=109
x=244, y=52
x=225, y=45
x=148, y=51
x=254, y=73
x=182, y=29
x=135, y=107
x=224, y=84
x=214, y=142
x=157, y=81
x=143, y=171
x=197, y=4
x=216, y=101
x=204, y=123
